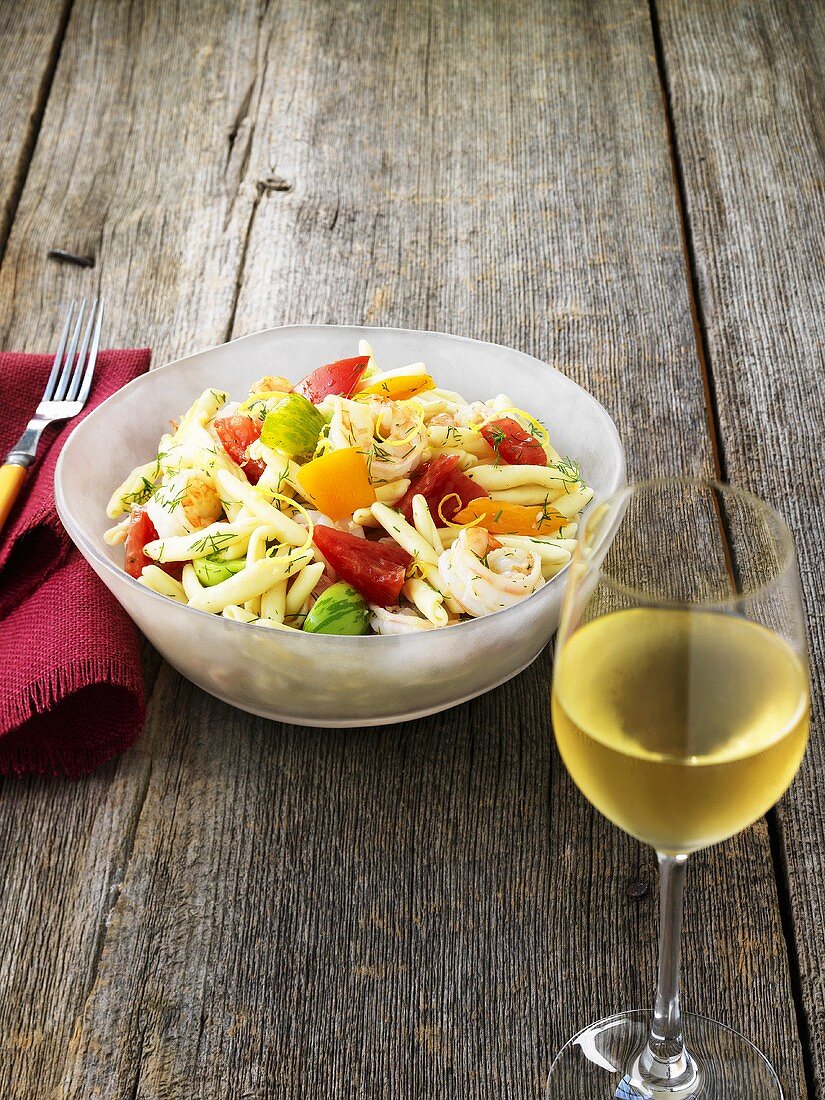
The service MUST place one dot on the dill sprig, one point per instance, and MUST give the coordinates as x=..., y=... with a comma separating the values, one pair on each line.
x=140, y=495
x=169, y=504
x=547, y=513
x=570, y=471
x=218, y=541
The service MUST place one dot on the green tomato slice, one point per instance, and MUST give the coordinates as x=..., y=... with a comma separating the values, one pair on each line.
x=210, y=571
x=339, y=610
x=293, y=426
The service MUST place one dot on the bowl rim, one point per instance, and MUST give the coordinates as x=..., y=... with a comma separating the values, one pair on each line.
x=91, y=551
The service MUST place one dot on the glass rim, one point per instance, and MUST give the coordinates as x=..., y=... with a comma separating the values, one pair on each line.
x=784, y=541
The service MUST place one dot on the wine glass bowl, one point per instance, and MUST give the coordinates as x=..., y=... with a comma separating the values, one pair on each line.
x=681, y=710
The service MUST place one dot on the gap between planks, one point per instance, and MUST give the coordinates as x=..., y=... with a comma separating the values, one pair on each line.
x=30, y=140
x=114, y=893
x=721, y=466
x=230, y=324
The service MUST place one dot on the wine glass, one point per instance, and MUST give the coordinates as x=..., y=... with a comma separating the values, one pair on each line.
x=681, y=710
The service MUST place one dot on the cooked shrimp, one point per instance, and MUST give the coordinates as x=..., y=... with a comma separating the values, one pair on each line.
x=352, y=423
x=186, y=502
x=385, y=620
x=390, y=433
x=401, y=438
x=270, y=384
x=318, y=519
x=483, y=580
x=462, y=416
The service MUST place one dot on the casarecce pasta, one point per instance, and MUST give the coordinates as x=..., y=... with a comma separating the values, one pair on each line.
x=358, y=500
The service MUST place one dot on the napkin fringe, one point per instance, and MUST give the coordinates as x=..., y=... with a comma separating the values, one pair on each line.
x=64, y=686
x=58, y=684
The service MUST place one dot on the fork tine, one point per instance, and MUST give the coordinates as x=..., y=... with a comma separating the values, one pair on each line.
x=68, y=363
x=74, y=385
x=90, y=369
x=61, y=347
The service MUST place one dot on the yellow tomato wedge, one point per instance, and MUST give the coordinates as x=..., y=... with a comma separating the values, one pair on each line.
x=338, y=482
x=399, y=387
x=511, y=519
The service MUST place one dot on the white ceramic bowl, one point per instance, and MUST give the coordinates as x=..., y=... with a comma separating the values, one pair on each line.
x=317, y=679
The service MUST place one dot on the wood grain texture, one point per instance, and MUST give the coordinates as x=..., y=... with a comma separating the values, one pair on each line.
x=138, y=165
x=134, y=164
x=65, y=848
x=421, y=910
x=428, y=909
x=748, y=99
x=30, y=37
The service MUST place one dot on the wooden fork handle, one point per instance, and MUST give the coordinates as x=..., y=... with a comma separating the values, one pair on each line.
x=11, y=482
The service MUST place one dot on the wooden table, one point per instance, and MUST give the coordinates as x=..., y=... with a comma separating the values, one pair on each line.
x=239, y=909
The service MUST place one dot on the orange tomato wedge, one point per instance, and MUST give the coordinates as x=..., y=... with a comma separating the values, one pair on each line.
x=400, y=387
x=338, y=482
x=511, y=519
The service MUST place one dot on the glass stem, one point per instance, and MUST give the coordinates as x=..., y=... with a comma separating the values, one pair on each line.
x=664, y=1064
x=665, y=1039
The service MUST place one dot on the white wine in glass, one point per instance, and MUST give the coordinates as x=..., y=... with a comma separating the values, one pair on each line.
x=681, y=710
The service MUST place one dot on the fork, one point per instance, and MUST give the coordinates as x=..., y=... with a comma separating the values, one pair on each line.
x=64, y=396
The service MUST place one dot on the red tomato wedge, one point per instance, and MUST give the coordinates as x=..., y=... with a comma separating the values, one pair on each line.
x=140, y=531
x=513, y=444
x=429, y=480
x=236, y=433
x=339, y=378
x=367, y=566
x=441, y=481
x=466, y=489
x=393, y=551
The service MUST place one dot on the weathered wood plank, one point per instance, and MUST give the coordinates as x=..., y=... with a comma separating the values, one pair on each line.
x=65, y=848
x=30, y=37
x=136, y=163
x=429, y=909
x=746, y=83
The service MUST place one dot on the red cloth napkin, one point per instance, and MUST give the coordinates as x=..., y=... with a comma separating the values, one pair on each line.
x=72, y=691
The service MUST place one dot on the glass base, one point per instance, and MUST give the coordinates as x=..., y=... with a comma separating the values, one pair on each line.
x=603, y=1063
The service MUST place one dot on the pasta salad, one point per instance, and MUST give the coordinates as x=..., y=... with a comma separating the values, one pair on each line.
x=356, y=501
